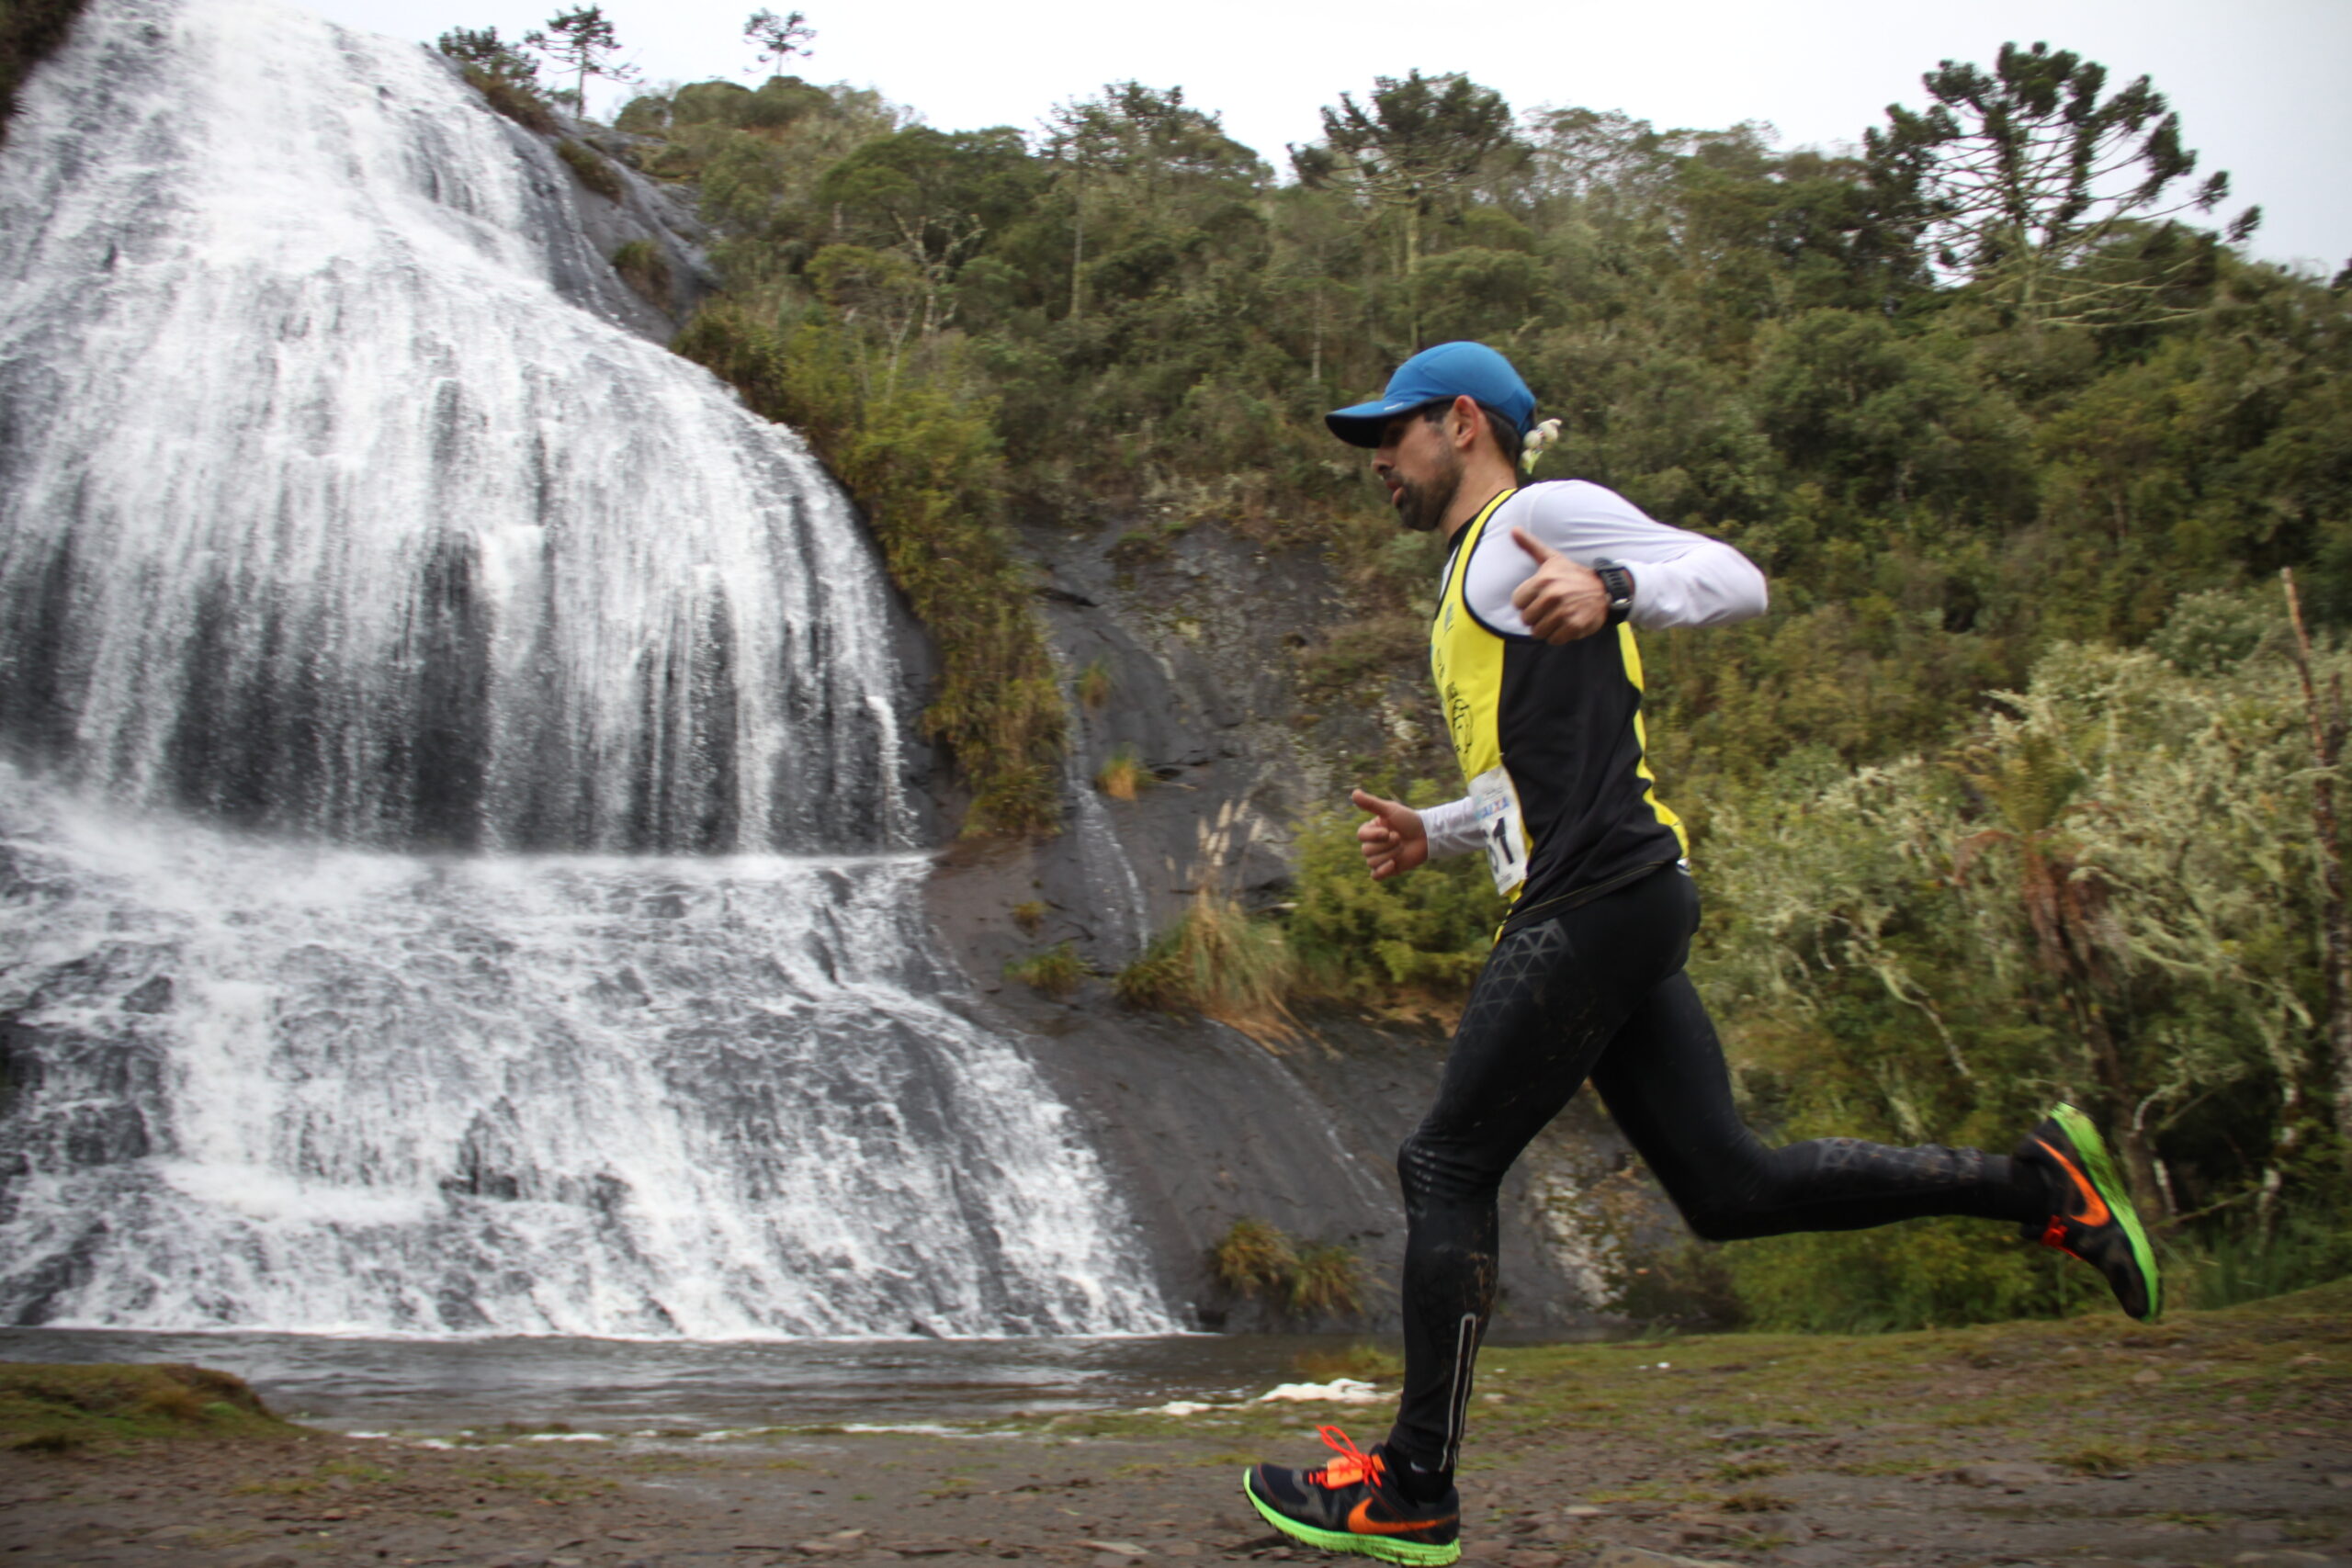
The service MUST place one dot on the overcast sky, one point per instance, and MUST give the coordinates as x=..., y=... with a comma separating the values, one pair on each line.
x=2258, y=84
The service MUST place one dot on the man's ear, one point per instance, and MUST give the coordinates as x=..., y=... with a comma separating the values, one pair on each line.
x=1467, y=419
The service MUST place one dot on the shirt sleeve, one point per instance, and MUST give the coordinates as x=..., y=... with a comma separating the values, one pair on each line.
x=1453, y=828
x=1680, y=578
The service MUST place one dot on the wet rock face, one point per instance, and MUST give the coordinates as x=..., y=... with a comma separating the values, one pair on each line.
x=1195, y=646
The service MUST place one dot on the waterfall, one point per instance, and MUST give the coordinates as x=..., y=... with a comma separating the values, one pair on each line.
x=321, y=508
x=455, y=871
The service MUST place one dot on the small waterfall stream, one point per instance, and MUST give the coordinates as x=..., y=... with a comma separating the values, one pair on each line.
x=455, y=870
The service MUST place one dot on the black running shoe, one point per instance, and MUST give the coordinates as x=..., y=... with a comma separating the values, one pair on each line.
x=2094, y=1219
x=1353, y=1504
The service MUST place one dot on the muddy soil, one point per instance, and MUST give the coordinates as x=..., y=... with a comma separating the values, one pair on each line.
x=2212, y=1438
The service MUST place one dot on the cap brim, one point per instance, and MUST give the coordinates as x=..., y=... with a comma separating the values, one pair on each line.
x=1360, y=424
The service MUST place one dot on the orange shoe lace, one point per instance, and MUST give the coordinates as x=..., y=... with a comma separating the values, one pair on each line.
x=1352, y=1465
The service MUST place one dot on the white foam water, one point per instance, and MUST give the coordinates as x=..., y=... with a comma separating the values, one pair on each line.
x=338, y=531
x=326, y=504
x=340, y=1091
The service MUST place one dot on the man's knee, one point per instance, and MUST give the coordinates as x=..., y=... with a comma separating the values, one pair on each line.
x=1433, y=1168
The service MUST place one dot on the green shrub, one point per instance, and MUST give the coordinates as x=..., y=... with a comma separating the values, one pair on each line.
x=1316, y=1279
x=919, y=452
x=2228, y=1265
x=1056, y=972
x=644, y=266
x=1422, y=935
x=1921, y=1274
x=515, y=100
x=1328, y=1281
x=595, y=171
x=1251, y=1257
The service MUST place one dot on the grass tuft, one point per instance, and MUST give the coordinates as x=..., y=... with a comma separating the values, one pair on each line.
x=1094, y=684
x=1218, y=961
x=1252, y=1256
x=1314, y=1279
x=1056, y=972
x=1124, y=777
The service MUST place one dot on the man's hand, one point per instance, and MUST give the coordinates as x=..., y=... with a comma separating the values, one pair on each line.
x=1563, y=600
x=1393, y=842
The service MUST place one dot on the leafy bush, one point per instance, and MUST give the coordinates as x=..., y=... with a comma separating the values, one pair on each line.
x=518, y=103
x=917, y=449
x=1056, y=972
x=644, y=266
x=1422, y=935
x=595, y=172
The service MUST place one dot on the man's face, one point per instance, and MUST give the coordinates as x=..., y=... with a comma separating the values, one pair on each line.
x=1421, y=467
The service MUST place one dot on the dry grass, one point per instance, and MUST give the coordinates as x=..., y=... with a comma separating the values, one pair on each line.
x=1122, y=776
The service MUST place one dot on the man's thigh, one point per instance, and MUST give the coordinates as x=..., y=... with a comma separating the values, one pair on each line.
x=1549, y=1000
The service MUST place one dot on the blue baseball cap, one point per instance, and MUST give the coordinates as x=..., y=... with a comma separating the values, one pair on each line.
x=1449, y=370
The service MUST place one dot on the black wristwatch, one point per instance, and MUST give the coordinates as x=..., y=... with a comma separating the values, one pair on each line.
x=1620, y=585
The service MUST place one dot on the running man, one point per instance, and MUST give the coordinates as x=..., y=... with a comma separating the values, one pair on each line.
x=1541, y=684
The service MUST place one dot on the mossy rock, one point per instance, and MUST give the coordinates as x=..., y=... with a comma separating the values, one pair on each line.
x=59, y=1409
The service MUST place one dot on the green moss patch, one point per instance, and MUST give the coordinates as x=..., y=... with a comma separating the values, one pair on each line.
x=59, y=1409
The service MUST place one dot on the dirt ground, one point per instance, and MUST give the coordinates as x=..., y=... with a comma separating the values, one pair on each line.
x=2211, y=1438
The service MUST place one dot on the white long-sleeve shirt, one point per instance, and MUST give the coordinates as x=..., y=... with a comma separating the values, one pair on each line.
x=1680, y=578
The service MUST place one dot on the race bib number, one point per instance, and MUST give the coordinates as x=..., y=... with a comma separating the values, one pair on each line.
x=1499, y=829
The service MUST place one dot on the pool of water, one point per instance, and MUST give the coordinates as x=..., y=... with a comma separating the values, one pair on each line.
x=622, y=1386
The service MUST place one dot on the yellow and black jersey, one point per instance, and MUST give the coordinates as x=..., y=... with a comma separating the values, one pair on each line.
x=1550, y=737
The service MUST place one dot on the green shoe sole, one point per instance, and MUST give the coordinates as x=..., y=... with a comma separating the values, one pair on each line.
x=2100, y=1168
x=1389, y=1549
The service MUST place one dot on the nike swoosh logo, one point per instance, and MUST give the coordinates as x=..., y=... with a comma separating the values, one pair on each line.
x=1360, y=1522
x=2094, y=1206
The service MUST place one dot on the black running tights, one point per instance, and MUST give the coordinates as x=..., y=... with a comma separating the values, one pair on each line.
x=1599, y=993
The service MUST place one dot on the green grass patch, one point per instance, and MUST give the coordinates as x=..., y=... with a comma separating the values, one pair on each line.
x=47, y=1408
x=595, y=171
x=645, y=267
x=1056, y=972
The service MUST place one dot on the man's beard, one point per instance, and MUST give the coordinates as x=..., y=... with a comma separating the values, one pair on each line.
x=1421, y=507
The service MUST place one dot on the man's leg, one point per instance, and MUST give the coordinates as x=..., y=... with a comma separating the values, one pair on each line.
x=1542, y=1009
x=1666, y=1085
x=1542, y=1012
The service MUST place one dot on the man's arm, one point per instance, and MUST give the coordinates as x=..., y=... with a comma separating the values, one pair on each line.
x=1398, y=837
x=1680, y=578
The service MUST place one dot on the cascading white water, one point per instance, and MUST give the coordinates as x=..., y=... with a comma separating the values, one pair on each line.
x=337, y=530
x=320, y=507
x=330, y=1089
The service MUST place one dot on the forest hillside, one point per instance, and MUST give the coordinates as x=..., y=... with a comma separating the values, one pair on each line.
x=2025, y=789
